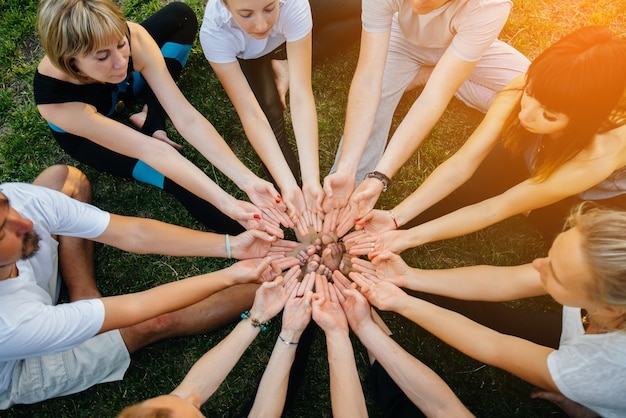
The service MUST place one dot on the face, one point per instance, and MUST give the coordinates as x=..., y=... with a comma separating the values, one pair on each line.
x=536, y=118
x=255, y=17
x=108, y=64
x=182, y=408
x=18, y=241
x=564, y=273
x=422, y=7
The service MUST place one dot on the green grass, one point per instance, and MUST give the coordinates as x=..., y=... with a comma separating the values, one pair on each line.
x=26, y=147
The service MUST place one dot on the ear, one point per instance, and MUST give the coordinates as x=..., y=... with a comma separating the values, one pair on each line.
x=612, y=311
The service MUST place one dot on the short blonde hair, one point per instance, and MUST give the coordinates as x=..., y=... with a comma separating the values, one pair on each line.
x=603, y=232
x=74, y=28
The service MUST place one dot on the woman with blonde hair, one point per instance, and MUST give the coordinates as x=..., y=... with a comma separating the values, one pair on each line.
x=95, y=63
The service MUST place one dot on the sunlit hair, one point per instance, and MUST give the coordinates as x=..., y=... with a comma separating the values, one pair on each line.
x=74, y=28
x=583, y=75
x=140, y=411
x=603, y=232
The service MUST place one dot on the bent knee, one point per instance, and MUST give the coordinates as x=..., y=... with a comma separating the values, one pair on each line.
x=67, y=180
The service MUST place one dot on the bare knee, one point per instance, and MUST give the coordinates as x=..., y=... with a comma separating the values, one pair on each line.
x=67, y=180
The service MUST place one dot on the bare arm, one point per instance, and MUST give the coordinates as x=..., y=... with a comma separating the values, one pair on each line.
x=148, y=236
x=421, y=385
x=129, y=309
x=523, y=358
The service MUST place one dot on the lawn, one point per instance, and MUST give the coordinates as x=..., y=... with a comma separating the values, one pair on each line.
x=26, y=147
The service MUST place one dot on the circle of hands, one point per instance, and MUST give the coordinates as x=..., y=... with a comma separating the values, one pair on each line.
x=322, y=219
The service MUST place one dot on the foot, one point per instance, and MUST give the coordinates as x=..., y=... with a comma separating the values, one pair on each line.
x=571, y=408
x=138, y=119
x=281, y=77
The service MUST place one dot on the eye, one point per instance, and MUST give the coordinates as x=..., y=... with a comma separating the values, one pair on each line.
x=121, y=45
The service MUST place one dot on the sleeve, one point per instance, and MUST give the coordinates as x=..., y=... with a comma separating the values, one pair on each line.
x=35, y=329
x=297, y=20
x=477, y=29
x=589, y=369
x=56, y=212
x=219, y=42
x=377, y=15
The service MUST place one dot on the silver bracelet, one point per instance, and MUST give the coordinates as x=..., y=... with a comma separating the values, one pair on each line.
x=284, y=341
x=386, y=181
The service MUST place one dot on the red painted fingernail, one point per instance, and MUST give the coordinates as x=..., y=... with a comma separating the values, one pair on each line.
x=278, y=198
x=371, y=257
x=257, y=216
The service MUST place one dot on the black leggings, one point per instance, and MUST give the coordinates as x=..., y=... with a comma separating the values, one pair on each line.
x=174, y=28
x=496, y=174
x=543, y=328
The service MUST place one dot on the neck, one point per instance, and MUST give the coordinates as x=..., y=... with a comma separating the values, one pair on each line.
x=601, y=324
x=8, y=271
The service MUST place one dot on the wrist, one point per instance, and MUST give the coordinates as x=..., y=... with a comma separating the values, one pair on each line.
x=381, y=177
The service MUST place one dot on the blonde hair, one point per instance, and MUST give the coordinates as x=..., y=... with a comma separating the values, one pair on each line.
x=603, y=232
x=74, y=28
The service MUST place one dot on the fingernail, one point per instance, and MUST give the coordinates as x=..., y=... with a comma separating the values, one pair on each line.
x=372, y=257
x=278, y=198
x=306, y=303
x=257, y=216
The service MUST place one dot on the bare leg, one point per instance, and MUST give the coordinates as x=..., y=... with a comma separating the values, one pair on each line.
x=76, y=259
x=208, y=315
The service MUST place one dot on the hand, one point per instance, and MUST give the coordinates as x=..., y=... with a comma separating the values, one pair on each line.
x=384, y=295
x=376, y=222
x=297, y=313
x=249, y=216
x=251, y=244
x=313, y=198
x=366, y=195
x=338, y=187
x=263, y=194
x=373, y=245
x=282, y=247
x=354, y=304
x=296, y=208
x=386, y=266
x=260, y=269
x=571, y=408
x=271, y=296
x=327, y=312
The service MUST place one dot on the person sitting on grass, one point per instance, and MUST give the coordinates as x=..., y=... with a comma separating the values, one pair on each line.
x=46, y=234
x=577, y=358
x=554, y=137
x=95, y=63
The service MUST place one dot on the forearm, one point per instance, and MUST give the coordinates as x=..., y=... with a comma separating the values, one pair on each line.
x=129, y=309
x=211, y=369
x=461, y=222
x=485, y=283
x=146, y=236
x=346, y=393
x=304, y=117
x=203, y=136
x=418, y=382
x=270, y=397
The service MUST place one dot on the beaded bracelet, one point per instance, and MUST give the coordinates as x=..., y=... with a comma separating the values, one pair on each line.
x=255, y=322
x=386, y=181
x=287, y=342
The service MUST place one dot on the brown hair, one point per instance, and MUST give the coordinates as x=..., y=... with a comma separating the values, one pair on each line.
x=583, y=75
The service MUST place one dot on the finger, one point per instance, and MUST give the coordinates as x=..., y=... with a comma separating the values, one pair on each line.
x=341, y=280
x=354, y=236
x=339, y=293
x=273, y=229
x=360, y=280
x=363, y=266
x=287, y=262
x=308, y=282
x=332, y=293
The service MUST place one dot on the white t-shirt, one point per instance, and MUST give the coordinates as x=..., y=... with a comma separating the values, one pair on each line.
x=590, y=368
x=30, y=323
x=223, y=41
x=469, y=27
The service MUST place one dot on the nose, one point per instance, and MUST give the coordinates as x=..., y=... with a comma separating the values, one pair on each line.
x=20, y=225
x=261, y=25
x=120, y=59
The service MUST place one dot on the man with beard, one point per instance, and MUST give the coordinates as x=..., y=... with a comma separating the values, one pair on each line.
x=49, y=349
